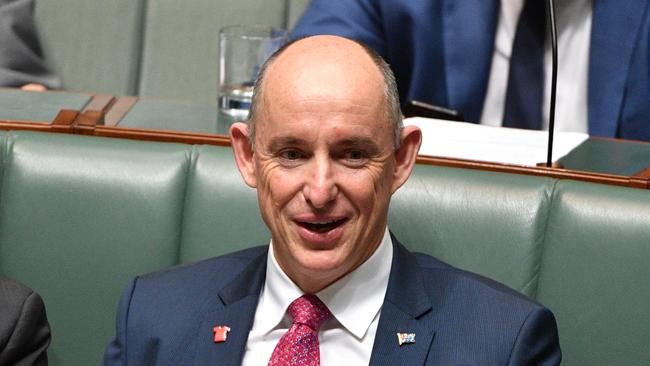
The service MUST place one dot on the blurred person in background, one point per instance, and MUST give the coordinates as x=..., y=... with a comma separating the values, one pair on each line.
x=459, y=54
x=21, y=58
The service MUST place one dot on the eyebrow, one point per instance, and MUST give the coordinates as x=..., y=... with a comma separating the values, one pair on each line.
x=283, y=141
x=363, y=143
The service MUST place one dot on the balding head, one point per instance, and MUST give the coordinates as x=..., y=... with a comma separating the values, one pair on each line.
x=326, y=64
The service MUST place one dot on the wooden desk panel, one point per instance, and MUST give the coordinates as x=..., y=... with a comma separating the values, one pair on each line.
x=39, y=107
x=606, y=161
x=609, y=156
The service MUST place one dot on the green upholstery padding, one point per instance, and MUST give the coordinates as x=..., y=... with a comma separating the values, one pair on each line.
x=221, y=213
x=495, y=227
x=595, y=273
x=3, y=141
x=180, y=57
x=78, y=218
x=93, y=45
x=80, y=215
x=16, y=104
x=296, y=8
x=161, y=48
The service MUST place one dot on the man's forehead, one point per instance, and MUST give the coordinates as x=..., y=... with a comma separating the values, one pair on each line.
x=327, y=132
x=324, y=64
x=323, y=82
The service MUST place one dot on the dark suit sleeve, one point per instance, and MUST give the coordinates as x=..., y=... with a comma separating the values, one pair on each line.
x=116, y=350
x=537, y=342
x=25, y=330
x=21, y=57
x=360, y=20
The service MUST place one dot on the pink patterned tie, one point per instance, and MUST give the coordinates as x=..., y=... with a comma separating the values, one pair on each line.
x=299, y=345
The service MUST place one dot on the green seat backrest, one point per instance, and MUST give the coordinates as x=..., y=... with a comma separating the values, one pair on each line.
x=93, y=45
x=3, y=141
x=221, y=214
x=79, y=216
x=296, y=8
x=485, y=222
x=180, y=56
x=595, y=273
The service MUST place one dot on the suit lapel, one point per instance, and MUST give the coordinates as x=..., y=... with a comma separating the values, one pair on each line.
x=469, y=28
x=239, y=317
x=615, y=27
x=405, y=310
x=235, y=307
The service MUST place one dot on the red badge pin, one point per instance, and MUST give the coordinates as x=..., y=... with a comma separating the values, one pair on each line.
x=220, y=333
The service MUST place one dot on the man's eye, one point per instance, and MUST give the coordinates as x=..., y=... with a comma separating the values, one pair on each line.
x=355, y=158
x=291, y=154
x=355, y=155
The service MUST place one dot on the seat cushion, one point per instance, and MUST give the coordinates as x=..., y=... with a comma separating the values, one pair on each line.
x=595, y=272
x=489, y=223
x=181, y=45
x=221, y=213
x=95, y=46
x=79, y=216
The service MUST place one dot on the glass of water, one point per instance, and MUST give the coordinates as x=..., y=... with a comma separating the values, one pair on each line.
x=242, y=51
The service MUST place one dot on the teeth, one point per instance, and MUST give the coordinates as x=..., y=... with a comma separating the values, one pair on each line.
x=322, y=222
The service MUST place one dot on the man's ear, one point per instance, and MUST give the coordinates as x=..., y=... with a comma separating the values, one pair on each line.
x=405, y=156
x=243, y=153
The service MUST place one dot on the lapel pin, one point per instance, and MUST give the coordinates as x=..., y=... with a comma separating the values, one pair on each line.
x=405, y=338
x=220, y=333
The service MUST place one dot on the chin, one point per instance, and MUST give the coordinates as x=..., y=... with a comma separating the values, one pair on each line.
x=322, y=264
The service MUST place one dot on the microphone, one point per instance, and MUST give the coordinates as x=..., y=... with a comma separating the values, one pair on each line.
x=550, y=9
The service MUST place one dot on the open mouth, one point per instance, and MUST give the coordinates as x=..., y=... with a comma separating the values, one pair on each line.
x=322, y=226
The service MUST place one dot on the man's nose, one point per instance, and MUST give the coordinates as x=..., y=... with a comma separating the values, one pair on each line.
x=320, y=188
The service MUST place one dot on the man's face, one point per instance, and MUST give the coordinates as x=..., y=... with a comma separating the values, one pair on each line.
x=324, y=168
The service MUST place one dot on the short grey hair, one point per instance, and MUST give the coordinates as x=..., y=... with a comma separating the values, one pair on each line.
x=393, y=111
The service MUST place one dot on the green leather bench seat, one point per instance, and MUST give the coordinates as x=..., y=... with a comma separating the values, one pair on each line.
x=95, y=46
x=180, y=53
x=80, y=215
x=595, y=272
x=489, y=223
x=219, y=207
x=162, y=48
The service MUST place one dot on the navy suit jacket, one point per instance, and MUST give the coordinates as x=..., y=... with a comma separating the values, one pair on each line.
x=459, y=318
x=441, y=53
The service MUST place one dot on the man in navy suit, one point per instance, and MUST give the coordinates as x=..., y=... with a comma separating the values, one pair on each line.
x=455, y=54
x=325, y=149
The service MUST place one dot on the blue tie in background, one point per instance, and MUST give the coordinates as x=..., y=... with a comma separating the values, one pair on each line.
x=525, y=93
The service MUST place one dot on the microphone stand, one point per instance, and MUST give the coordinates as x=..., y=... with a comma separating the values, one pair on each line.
x=550, y=9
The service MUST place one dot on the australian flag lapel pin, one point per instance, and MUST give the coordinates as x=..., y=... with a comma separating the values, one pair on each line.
x=220, y=333
x=405, y=338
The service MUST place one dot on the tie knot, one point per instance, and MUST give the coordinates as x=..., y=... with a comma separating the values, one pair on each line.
x=310, y=311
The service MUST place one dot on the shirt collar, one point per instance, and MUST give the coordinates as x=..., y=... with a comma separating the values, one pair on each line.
x=354, y=299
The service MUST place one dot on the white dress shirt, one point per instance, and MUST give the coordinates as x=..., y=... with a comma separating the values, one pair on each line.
x=355, y=302
x=573, y=18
